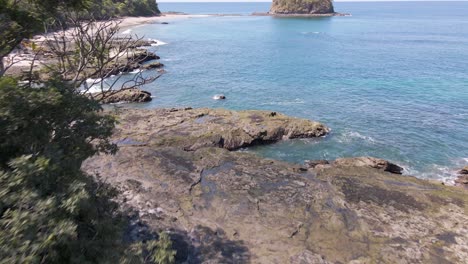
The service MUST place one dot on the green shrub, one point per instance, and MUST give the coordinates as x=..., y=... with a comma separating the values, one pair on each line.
x=50, y=211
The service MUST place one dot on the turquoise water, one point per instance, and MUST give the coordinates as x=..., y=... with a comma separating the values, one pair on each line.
x=391, y=80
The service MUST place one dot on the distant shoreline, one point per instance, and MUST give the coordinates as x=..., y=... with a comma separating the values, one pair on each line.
x=300, y=15
x=127, y=22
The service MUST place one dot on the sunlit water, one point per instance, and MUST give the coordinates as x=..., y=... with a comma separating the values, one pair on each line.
x=391, y=80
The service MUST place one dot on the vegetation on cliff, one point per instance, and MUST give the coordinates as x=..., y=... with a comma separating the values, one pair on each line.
x=116, y=8
x=302, y=7
x=50, y=210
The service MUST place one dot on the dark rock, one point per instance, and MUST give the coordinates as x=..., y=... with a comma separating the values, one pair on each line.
x=120, y=68
x=314, y=163
x=164, y=23
x=371, y=163
x=143, y=56
x=135, y=43
x=133, y=95
x=219, y=97
x=464, y=170
x=153, y=65
x=462, y=181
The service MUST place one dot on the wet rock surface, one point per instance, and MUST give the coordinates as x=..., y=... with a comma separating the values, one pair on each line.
x=224, y=206
x=192, y=129
x=371, y=163
x=133, y=95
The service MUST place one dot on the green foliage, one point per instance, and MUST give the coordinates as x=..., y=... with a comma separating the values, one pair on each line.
x=154, y=251
x=303, y=6
x=21, y=18
x=117, y=8
x=50, y=211
x=160, y=251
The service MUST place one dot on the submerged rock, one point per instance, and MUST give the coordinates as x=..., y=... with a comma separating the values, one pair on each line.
x=152, y=65
x=235, y=207
x=133, y=95
x=302, y=7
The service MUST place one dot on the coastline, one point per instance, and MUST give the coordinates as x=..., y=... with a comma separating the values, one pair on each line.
x=127, y=22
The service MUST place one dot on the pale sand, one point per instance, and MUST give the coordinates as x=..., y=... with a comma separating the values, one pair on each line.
x=127, y=22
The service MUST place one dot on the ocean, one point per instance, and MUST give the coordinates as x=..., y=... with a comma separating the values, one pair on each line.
x=391, y=81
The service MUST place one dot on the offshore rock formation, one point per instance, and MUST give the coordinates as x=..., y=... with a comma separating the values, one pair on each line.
x=304, y=7
x=176, y=170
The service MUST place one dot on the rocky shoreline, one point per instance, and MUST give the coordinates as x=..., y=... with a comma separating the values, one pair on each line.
x=176, y=168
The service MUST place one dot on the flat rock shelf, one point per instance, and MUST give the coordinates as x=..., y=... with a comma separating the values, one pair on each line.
x=176, y=168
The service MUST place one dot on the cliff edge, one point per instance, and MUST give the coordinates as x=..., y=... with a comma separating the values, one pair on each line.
x=305, y=7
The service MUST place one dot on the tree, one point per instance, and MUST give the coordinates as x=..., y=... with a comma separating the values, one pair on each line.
x=50, y=210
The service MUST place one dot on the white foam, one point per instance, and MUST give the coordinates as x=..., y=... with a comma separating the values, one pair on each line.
x=135, y=71
x=91, y=80
x=353, y=135
x=158, y=43
x=126, y=32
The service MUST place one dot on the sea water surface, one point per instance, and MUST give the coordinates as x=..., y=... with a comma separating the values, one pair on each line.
x=391, y=80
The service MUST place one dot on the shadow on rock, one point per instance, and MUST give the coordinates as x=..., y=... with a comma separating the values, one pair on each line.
x=201, y=245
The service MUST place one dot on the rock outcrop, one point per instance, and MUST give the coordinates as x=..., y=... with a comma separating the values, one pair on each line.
x=192, y=129
x=175, y=168
x=369, y=162
x=303, y=7
x=462, y=179
x=464, y=171
x=133, y=95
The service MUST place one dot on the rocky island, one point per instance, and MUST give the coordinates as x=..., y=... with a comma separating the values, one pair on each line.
x=178, y=170
x=302, y=7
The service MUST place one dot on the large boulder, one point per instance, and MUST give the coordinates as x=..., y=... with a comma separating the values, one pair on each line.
x=369, y=162
x=306, y=7
x=133, y=95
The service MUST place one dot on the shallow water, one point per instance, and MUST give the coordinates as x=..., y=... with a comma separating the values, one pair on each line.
x=391, y=80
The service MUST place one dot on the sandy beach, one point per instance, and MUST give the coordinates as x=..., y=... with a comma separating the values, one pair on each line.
x=127, y=22
x=19, y=61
